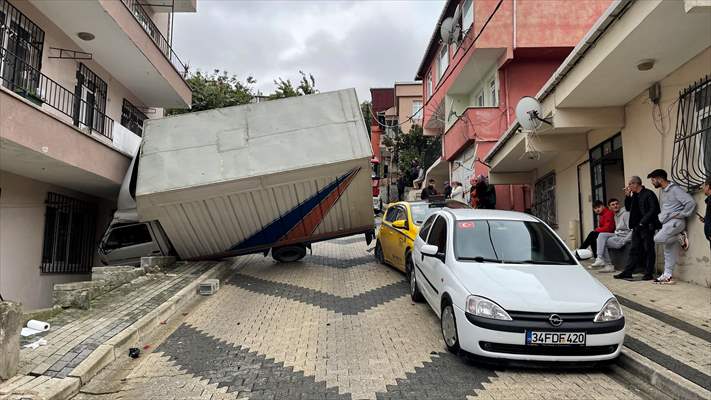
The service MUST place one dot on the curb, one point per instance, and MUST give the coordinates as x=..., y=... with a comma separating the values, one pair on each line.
x=43, y=387
x=667, y=381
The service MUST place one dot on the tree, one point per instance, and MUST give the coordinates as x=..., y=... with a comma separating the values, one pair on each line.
x=215, y=90
x=365, y=110
x=413, y=146
x=285, y=88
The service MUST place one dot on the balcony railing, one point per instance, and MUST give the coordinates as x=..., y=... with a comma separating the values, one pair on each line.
x=25, y=80
x=140, y=14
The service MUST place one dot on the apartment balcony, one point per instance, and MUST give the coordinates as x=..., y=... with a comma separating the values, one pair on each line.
x=484, y=124
x=122, y=38
x=49, y=134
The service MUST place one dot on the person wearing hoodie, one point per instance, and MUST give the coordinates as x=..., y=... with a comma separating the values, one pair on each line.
x=606, y=224
x=676, y=207
x=616, y=240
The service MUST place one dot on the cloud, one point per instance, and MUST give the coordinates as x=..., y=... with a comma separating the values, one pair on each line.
x=342, y=43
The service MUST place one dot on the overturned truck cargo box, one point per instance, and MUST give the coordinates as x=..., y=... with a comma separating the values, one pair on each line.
x=251, y=178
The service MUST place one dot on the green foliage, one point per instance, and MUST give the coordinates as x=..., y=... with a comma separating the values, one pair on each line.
x=215, y=90
x=285, y=88
x=365, y=110
x=414, y=146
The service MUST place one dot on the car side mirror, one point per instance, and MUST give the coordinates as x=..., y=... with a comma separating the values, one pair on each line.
x=400, y=224
x=430, y=250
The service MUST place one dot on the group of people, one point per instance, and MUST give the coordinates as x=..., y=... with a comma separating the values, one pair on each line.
x=481, y=195
x=644, y=222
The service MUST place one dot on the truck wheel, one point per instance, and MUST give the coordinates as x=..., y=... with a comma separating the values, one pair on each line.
x=287, y=254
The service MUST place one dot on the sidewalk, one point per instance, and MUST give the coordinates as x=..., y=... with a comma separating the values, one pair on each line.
x=668, y=334
x=81, y=342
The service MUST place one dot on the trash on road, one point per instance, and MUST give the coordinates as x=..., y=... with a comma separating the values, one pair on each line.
x=36, y=344
x=33, y=327
x=209, y=287
x=134, y=352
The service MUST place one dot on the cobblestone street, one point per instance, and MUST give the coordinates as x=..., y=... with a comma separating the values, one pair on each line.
x=335, y=326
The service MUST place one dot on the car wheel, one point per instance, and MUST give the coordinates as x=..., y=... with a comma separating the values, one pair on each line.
x=449, y=328
x=415, y=293
x=379, y=252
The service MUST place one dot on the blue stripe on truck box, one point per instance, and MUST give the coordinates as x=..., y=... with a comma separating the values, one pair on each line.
x=278, y=228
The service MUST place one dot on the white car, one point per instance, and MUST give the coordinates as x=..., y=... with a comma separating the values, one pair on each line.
x=506, y=286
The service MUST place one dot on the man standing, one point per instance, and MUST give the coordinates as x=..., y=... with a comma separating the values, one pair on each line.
x=605, y=224
x=677, y=206
x=400, y=188
x=447, y=190
x=617, y=240
x=486, y=193
x=644, y=209
x=429, y=190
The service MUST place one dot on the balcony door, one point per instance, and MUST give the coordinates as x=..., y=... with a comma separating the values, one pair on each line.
x=21, y=41
x=89, y=99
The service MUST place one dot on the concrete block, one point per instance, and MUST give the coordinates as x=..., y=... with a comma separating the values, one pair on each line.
x=10, y=326
x=155, y=264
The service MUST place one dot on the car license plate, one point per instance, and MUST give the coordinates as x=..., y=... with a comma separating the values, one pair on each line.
x=555, y=338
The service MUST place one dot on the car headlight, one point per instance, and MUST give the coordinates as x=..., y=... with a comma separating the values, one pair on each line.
x=611, y=311
x=486, y=308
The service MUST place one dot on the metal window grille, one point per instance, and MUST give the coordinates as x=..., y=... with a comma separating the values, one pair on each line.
x=69, y=235
x=132, y=118
x=24, y=39
x=543, y=205
x=90, y=99
x=691, y=162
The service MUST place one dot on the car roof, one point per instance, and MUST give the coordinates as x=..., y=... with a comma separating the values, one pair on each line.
x=467, y=214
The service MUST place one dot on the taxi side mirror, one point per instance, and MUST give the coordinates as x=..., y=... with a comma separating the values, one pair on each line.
x=400, y=224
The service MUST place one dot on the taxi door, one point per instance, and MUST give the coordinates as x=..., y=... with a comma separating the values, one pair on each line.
x=387, y=233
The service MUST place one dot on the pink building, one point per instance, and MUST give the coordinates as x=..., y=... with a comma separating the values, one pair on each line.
x=508, y=49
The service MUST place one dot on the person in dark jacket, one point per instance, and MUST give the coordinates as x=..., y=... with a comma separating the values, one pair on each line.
x=706, y=220
x=644, y=210
x=447, y=190
x=401, y=188
x=486, y=193
x=429, y=190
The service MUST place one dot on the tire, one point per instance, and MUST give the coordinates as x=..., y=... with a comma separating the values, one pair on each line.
x=415, y=293
x=448, y=326
x=379, y=253
x=288, y=254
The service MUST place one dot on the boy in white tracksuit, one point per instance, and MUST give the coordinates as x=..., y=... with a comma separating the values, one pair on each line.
x=676, y=207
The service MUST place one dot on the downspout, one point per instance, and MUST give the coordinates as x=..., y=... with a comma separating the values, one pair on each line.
x=514, y=24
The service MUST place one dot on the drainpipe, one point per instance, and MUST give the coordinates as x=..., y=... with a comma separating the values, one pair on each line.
x=514, y=24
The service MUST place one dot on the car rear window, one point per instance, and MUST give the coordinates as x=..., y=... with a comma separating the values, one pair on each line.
x=517, y=242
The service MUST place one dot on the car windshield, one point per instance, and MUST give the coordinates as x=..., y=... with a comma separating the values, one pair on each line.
x=504, y=241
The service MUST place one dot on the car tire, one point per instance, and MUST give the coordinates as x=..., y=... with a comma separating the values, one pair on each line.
x=415, y=293
x=287, y=254
x=448, y=325
x=379, y=253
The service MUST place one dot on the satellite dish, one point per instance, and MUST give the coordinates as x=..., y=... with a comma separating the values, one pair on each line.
x=528, y=113
x=445, y=30
x=457, y=28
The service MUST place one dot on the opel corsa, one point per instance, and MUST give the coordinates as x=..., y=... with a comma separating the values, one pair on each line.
x=504, y=285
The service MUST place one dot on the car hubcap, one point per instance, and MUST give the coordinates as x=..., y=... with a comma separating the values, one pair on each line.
x=448, y=329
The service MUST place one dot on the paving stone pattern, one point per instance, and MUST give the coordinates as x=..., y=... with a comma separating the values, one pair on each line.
x=76, y=333
x=308, y=331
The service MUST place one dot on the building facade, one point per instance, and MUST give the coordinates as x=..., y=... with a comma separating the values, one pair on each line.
x=634, y=96
x=508, y=49
x=77, y=80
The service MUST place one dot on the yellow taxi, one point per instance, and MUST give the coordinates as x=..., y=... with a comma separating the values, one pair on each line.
x=400, y=225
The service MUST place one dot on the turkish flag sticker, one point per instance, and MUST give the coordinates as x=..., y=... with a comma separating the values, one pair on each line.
x=466, y=225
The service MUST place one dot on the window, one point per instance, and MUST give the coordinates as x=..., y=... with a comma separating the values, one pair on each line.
x=132, y=118
x=544, y=206
x=480, y=99
x=417, y=110
x=69, y=229
x=508, y=242
x=90, y=100
x=401, y=214
x=443, y=60
x=429, y=85
x=129, y=235
x=691, y=162
x=467, y=15
x=391, y=214
x=426, y=227
x=493, y=93
x=22, y=42
x=438, y=235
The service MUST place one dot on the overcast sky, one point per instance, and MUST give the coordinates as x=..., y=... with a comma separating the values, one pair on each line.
x=360, y=44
